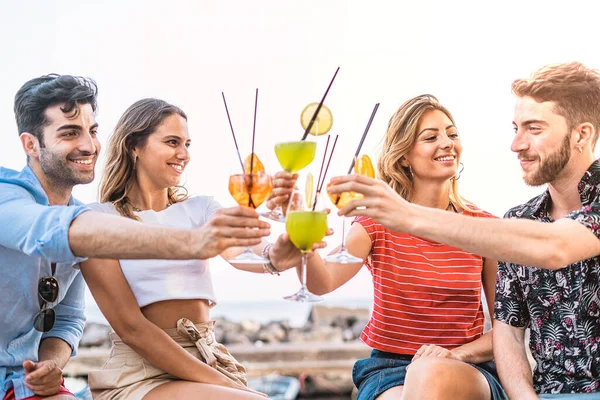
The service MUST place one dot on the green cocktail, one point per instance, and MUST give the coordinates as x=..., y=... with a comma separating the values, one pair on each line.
x=293, y=156
x=306, y=228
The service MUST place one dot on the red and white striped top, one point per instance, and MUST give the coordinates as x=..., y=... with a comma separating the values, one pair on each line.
x=424, y=292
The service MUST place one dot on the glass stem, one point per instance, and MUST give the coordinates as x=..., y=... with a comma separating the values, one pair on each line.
x=343, y=234
x=303, y=270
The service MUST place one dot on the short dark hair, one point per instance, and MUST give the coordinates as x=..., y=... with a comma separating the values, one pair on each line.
x=36, y=95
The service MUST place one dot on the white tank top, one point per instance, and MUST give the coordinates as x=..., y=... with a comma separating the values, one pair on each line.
x=159, y=280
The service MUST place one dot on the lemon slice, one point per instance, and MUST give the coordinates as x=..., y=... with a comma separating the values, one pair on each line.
x=308, y=190
x=323, y=122
x=257, y=165
x=363, y=166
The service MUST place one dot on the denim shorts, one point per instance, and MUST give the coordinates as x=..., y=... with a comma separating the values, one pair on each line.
x=382, y=371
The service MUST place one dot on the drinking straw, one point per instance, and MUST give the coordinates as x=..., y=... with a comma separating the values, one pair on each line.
x=314, y=117
x=320, y=185
x=233, y=134
x=363, y=137
x=249, y=185
x=253, y=135
x=323, y=162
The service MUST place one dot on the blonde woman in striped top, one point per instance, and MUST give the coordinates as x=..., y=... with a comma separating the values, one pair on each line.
x=427, y=326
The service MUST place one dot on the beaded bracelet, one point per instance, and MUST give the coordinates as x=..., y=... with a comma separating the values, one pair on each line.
x=269, y=268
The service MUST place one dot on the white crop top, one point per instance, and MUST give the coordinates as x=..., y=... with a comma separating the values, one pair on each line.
x=158, y=280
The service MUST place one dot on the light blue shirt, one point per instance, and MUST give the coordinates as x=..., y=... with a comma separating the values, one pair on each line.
x=32, y=235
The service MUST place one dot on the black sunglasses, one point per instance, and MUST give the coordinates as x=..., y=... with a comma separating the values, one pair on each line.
x=48, y=293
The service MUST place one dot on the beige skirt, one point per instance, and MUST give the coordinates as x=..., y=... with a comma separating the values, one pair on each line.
x=126, y=375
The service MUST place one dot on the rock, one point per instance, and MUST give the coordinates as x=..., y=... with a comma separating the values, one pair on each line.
x=273, y=333
x=358, y=327
x=328, y=334
x=296, y=336
x=250, y=327
x=319, y=334
x=308, y=327
x=221, y=327
x=337, y=316
x=325, y=324
x=347, y=335
x=96, y=335
x=231, y=337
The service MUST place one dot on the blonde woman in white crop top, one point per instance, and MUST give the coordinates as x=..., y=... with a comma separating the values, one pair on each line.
x=163, y=346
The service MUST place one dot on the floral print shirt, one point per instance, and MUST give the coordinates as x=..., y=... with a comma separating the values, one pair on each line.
x=561, y=307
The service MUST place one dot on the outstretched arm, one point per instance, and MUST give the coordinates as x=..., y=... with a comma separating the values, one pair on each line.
x=67, y=234
x=107, y=236
x=525, y=242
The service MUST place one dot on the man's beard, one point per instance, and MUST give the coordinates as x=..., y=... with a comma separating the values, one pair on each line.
x=56, y=168
x=550, y=168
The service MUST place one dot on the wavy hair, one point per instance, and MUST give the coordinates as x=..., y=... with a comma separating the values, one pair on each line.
x=138, y=122
x=400, y=138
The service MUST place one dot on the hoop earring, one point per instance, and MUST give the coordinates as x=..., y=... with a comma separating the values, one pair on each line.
x=461, y=169
x=580, y=149
x=182, y=188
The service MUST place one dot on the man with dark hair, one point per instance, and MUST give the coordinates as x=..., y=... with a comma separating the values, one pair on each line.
x=549, y=280
x=41, y=294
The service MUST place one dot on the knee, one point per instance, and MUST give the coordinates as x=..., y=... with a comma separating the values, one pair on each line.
x=426, y=367
x=427, y=375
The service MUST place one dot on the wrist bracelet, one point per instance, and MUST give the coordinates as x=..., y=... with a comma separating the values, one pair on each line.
x=269, y=268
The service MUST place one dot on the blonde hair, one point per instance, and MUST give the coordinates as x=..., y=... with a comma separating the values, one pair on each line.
x=138, y=122
x=400, y=138
x=574, y=89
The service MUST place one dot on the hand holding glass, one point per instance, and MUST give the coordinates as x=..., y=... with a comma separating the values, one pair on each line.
x=362, y=166
x=249, y=190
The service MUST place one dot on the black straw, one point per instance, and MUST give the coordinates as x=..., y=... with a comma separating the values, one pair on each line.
x=253, y=135
x=323, y=163
x=250, y=201
x=314, y=117
x=233, y=134
x=320, y=185
x=363, y=138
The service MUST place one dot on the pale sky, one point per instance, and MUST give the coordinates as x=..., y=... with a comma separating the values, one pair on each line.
x=466, y=53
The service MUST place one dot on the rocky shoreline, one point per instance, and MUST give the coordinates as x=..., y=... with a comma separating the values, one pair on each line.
x=320, y=353
x=325, y=324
